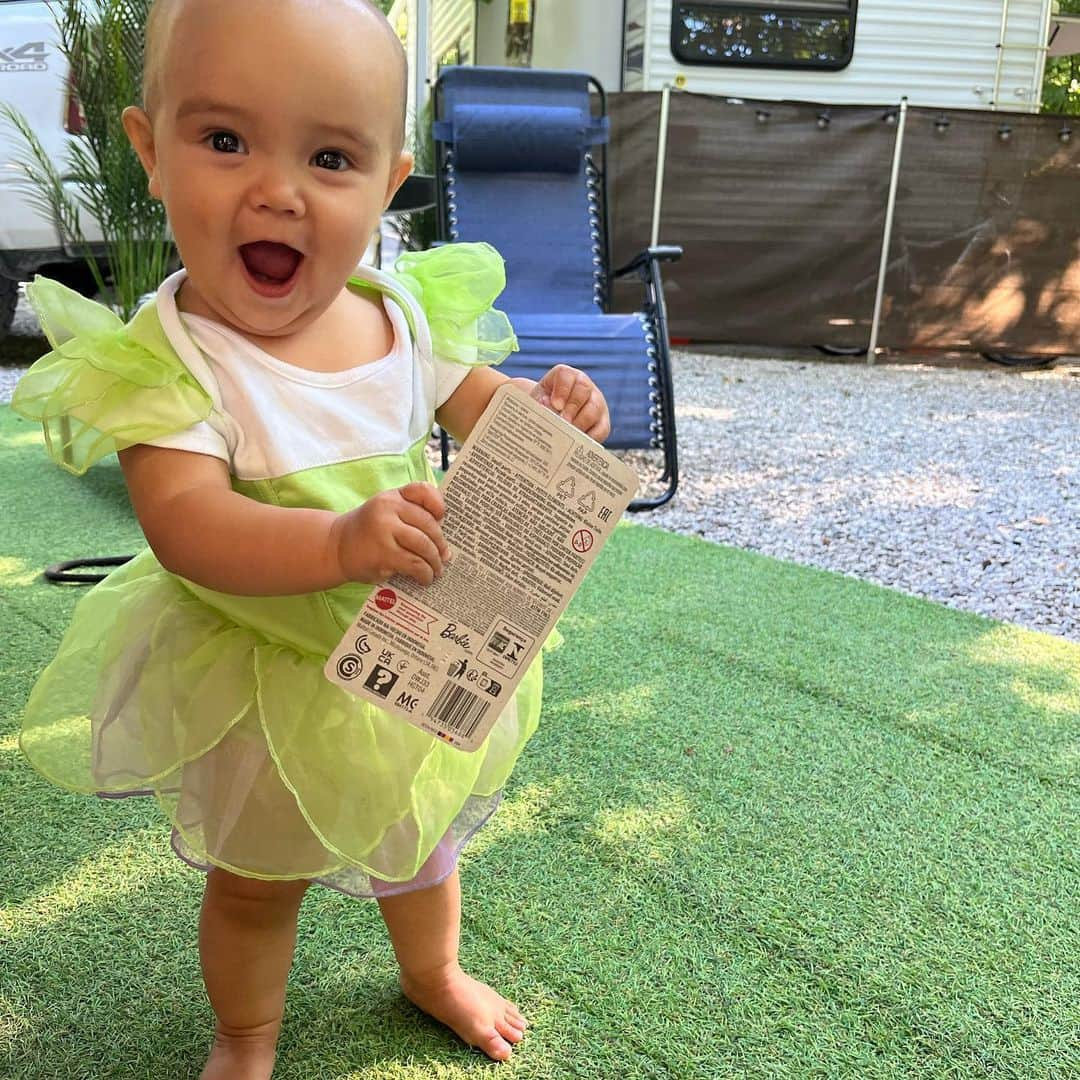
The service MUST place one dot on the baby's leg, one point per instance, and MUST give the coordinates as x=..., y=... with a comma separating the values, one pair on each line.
x=425, y=929
x=247, y=934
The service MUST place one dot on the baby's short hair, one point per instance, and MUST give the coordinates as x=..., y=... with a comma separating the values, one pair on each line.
x=157, y=27
x=153, y=47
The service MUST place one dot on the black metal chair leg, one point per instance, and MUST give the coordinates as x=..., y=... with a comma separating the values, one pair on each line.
x=444, y=449
x=63, y=573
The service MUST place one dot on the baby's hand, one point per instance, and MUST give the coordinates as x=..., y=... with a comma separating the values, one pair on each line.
x=394, y=532
x=576, y=398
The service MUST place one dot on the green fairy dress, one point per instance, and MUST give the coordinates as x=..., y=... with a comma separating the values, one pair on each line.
x=217, y=704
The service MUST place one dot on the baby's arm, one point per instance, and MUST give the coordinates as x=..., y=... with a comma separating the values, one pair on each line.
x=202, y=530
x=563, y=390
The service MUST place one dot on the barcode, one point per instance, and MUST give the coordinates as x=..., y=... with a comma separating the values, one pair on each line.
x=458, y=709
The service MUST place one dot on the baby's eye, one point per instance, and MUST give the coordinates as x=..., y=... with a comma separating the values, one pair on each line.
x=334, y=160
x=225, y=142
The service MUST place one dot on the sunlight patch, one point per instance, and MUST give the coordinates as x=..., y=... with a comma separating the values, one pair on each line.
x=1044, y=670
x=1065, y=700
x=637, y=701
x=112, y=872
x=653, y=832
x=12, y=1024
x=530, y=806
x=1009, y=644
x=526, y=811
x=15, y=571
x=36, y=437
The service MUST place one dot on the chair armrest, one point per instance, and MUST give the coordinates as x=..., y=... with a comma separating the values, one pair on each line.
x=652, y=255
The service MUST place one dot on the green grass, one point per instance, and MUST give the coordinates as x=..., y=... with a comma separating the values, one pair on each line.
x=776, y=823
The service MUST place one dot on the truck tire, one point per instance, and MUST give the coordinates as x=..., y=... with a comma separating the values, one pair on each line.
x=9, y=297
x=1020, y=360
x=842, y=350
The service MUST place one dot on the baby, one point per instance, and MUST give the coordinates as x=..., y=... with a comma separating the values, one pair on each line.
x=271, y=410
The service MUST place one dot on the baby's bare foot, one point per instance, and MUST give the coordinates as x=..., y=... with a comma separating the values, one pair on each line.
x=476, y=1013
x=241, y=1057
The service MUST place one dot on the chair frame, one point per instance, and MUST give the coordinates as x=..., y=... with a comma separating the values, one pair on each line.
x=646, y=265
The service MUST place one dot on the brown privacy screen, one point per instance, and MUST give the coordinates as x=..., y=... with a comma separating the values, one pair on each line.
x=781, y=209
x=631, y=163
x=985, y=251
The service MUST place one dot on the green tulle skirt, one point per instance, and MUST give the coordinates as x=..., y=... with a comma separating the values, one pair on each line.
x=218, y=708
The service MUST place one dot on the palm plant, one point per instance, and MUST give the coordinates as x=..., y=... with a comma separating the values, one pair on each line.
x=102, y=178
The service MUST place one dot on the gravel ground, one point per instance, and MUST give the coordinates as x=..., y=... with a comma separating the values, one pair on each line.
x=8, y=378
x=962, y=486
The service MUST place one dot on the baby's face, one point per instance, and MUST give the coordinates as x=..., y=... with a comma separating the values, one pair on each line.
x=275, y=146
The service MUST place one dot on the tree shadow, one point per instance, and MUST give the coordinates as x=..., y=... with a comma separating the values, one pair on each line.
x=980, y=257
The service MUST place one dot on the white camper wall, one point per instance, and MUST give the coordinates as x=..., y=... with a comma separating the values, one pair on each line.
x=402, y=18
x=936, y=52
x=453, y=23
x=635, y=44
x=570, y=35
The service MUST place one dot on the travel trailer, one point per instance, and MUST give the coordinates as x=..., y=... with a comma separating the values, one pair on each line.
x=975, y=54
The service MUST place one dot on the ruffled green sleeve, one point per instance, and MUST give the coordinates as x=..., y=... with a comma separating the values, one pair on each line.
x=105, y=386
x=456, y=285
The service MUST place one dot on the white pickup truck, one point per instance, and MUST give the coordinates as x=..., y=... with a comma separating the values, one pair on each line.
x=33, y=79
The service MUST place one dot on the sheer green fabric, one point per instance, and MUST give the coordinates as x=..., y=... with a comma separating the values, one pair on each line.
x=456, y=285
x=105, y=386
x=217, y=704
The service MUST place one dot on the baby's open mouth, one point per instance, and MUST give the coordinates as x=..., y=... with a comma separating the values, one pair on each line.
x=270, y=263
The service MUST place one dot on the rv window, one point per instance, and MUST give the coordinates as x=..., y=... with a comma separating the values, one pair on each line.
x=755, y=33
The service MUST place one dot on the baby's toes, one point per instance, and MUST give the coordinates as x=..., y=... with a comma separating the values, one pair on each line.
x=509, y=1030
x=495, y=1046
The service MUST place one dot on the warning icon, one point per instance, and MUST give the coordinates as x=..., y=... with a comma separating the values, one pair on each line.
x=582, y=541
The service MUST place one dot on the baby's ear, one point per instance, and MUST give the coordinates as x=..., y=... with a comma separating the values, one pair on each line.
x=140, y=133
x=398, y=175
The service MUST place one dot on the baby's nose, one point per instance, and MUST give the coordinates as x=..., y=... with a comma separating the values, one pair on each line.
x=278, y=189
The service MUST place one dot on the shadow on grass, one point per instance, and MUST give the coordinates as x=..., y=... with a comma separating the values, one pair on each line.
x=106, y=485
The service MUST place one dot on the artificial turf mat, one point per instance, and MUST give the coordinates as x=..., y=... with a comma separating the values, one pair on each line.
x=776, y=823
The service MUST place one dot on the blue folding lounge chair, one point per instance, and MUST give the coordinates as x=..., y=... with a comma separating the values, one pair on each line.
x=521, y=163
